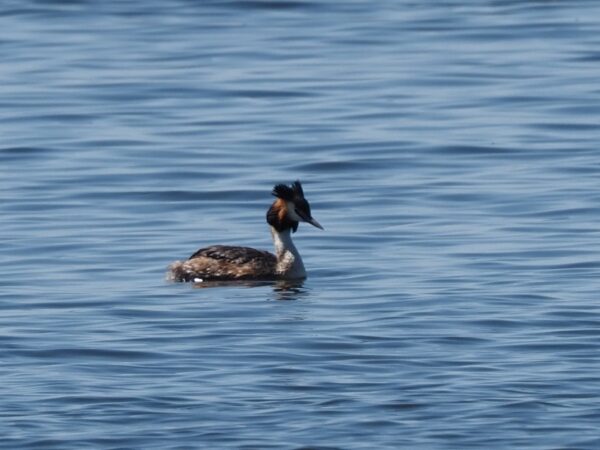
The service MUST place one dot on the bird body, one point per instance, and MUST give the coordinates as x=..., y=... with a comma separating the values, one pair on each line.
x=224, y=263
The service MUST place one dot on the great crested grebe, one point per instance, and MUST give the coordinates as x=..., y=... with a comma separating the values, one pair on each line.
x=223, y=262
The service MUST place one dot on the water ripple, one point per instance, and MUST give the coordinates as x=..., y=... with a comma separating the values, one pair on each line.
x=449, y=149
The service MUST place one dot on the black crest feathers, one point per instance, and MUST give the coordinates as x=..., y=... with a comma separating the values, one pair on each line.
x=289, y=193
x=297, y=188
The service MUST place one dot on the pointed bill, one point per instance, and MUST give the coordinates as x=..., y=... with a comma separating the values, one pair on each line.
x=313, y=222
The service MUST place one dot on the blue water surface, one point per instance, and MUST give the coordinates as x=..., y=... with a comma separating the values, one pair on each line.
x=450, y=150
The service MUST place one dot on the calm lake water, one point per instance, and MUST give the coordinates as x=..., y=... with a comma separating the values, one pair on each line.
x=450, y=149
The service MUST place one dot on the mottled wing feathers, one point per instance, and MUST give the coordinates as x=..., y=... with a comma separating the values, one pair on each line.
x=222, y=262
x=232, y=254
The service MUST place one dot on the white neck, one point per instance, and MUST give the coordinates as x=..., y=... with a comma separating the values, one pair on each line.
x=289, y=262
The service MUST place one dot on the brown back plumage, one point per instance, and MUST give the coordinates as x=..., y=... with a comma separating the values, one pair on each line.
x=223, y=262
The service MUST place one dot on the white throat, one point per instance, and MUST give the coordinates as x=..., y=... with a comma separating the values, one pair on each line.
x=289, y=262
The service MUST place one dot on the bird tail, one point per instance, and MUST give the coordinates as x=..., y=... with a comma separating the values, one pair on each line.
x=177, y=272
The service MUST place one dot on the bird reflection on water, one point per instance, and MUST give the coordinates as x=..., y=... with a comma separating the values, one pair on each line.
x=283, y=289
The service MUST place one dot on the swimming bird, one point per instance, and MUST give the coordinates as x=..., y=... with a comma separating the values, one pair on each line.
x=225, y=263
